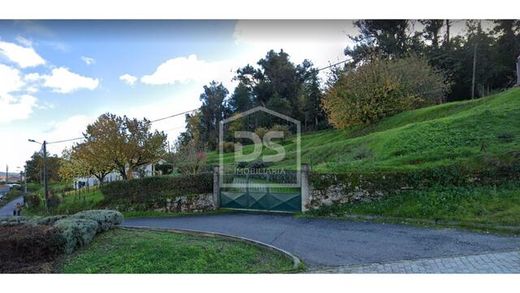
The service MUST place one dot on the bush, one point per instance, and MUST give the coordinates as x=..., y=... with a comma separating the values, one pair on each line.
x=21, y=245
x=47, y=220
x=228, y=147
x=381, y=88
x=106, y=219
x=32, y=200
x=261, y=131
x=76, y=232
x=149, y=190
x=282, y=128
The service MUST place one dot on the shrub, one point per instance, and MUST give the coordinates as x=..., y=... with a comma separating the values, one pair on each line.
x=106, y=219
x=382, y=88
x=24, y=244
x=54, y=200
x=33, y=200
x=282, y=128
x=150, y=190
x=261, y=131
x=228, y=147
x=47, y=220
x=76, y=232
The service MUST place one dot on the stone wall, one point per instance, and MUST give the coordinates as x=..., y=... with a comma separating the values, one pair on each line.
x=188, y=203
x=329, y=189
x=339, y=193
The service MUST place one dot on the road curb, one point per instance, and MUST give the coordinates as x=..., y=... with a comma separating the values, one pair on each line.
x=297, y=263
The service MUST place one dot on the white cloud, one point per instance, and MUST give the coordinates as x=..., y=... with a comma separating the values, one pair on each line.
x=23, y=56
x=128, y=79
x=88, y=60
x=62, y=80
x=185, y=69
x=16, y=108
x=23, y=41
x=13, y=106
x=10, y=80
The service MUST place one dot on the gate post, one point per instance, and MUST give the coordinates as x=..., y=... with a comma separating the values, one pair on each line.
x=306, y=188
x=216, y=187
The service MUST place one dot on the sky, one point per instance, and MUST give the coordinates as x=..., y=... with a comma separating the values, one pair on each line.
x=56, y=77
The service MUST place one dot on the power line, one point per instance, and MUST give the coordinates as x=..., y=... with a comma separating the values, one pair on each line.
x=65, y=140
x=152, y=121
x=172, y=116
x=332, y=65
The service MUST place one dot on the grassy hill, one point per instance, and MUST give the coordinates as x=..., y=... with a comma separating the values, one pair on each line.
x=476, y=133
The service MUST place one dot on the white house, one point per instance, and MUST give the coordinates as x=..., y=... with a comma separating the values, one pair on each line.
x=144, y=171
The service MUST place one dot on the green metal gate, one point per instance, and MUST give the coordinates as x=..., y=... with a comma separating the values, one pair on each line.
x=260, y=192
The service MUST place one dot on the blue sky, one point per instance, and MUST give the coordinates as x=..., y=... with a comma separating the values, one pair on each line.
x=58, y=76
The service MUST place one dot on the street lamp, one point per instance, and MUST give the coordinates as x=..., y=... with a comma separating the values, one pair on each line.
x=45, y=181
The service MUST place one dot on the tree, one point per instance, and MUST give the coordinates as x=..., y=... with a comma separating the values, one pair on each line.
x=279, y=84
x=431, y=31
x=123, y=142
x=92, y=160
x=314, y=116
x=507, y=49
x=213, y=110
x=71, y=167
x=142, y=146
x=34, y=167
x=188, y=159
x=382, y=88
x=241, y=100
x=379, y=38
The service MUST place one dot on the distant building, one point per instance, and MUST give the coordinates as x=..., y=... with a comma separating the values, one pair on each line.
x=144, y=171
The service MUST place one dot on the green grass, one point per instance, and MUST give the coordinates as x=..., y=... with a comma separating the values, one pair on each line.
x=142, y=251
x=71, y=203
x=441, y=135
x=485, y=205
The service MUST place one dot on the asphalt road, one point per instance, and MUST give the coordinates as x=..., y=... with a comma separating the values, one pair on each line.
x=328, y=243
x=7, y=210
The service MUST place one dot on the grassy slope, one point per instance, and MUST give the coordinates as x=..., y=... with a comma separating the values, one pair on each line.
x=424, y=138
x=124, y=251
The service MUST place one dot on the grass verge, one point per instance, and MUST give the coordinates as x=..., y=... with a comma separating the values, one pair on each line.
x=484, y=208
x=145, y=251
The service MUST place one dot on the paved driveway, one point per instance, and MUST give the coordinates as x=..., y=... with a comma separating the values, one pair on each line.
x=322, y=243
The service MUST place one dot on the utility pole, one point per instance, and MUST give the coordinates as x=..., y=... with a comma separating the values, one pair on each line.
x=518, y=71
x=447, y=32
x=6, y=174
x=45, y=179
x=474, y=70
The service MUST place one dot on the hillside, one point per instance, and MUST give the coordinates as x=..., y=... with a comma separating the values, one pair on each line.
x=475, y=133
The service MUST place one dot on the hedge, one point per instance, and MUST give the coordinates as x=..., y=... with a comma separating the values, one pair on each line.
x=57, y=234
x=105, y=219
x=23, y=245
x=156, y=189
x=394, y=181
x=76, y=232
